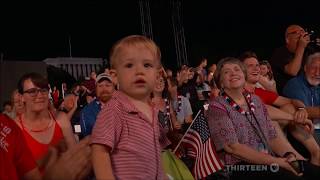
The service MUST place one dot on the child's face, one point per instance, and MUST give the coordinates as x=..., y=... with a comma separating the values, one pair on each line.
x=160, y=84
x=136, y=71
x=263, y=69
x=7, y=108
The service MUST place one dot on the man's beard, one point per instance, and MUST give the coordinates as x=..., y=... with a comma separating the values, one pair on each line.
x=313, y=82
x=104, y=99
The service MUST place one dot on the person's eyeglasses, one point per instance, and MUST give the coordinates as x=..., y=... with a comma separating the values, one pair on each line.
x=34, y=91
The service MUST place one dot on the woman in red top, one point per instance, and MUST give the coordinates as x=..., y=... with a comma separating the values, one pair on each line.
x=41, y=128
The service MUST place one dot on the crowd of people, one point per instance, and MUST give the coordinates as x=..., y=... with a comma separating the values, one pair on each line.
x=116, y=124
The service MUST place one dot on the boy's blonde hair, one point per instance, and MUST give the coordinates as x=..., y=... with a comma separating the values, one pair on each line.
x=134, y=41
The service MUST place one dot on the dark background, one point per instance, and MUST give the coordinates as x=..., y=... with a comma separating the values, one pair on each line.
x=37, y=30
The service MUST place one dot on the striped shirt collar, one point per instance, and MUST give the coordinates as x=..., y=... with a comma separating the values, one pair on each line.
x=126, y=103
x=131, y=109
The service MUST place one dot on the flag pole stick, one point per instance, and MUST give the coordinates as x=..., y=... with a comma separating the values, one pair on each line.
x=175, y=149
x=171, y=125
x=62, y=91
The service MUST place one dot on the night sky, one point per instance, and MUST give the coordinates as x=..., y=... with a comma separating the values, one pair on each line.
x=33, y=31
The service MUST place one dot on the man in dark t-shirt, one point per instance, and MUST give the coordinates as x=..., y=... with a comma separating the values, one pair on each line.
x=287, y=61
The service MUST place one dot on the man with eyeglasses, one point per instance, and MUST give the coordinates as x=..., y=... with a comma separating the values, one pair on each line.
x=287, y=60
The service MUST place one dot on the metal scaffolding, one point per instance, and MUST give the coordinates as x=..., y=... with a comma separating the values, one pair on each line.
x=176, y=23
x=178, y=33
x=145, y=18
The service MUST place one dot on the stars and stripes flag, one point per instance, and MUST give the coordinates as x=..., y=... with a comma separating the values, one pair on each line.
x=200, y=147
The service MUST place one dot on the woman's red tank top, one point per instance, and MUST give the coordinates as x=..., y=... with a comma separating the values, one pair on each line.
x=38, y=149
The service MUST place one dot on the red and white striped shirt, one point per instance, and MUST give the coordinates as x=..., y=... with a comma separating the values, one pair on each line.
x=134, y=141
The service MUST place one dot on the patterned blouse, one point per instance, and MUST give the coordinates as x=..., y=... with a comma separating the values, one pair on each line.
x=228, y=126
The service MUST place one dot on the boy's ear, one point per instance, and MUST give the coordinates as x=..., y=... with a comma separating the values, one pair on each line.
x=113, y=74
x=159, y=73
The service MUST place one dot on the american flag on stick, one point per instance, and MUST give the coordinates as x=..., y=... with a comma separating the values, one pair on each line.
x=199, y=146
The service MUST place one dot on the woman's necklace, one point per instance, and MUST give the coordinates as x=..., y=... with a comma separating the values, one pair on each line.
x=167, y=107
x=236, y=106
x=179, y=103
x=48, y=126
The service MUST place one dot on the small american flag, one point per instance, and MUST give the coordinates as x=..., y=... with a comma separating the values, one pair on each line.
x=199, y=146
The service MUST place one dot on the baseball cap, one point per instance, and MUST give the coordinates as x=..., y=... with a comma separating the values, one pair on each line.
x=103, y=76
